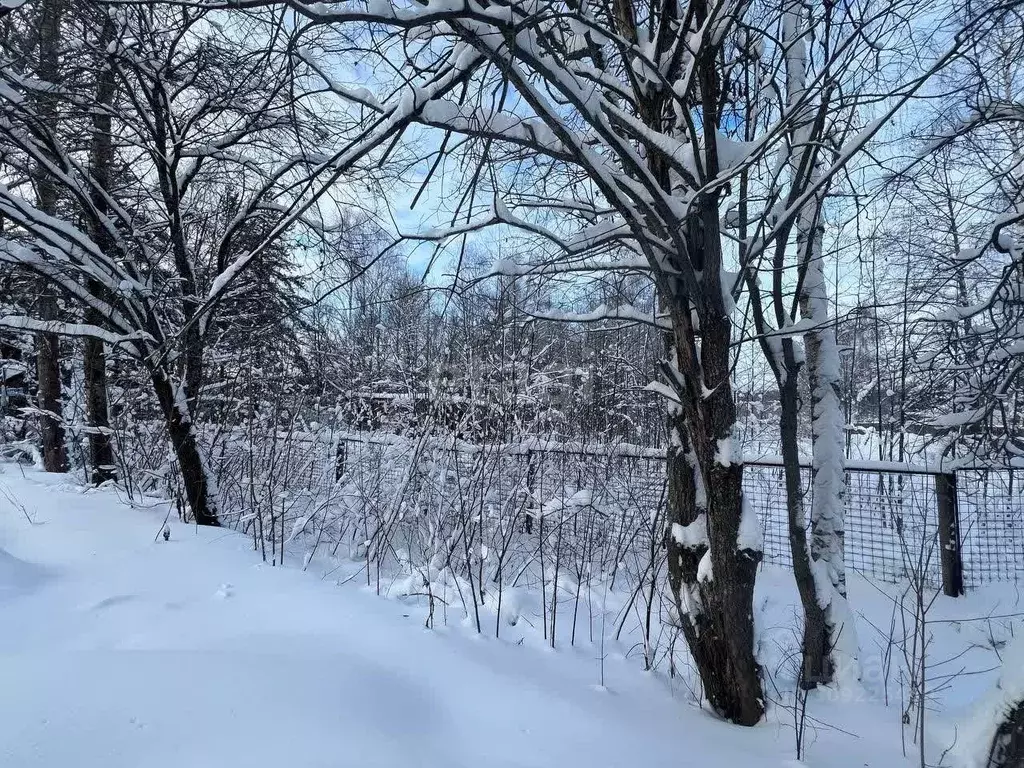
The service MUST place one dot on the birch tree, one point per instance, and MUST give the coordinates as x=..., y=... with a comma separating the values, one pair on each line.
x=824, y=118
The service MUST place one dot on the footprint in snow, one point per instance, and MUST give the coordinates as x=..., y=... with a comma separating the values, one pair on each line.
x=109, y=602
x=225, y=591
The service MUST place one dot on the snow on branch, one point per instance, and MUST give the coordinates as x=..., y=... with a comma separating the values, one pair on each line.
x=80, y=330
x=602, y=313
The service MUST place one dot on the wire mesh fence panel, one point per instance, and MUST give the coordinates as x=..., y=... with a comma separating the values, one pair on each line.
x=890, y=531
x=765, y=490
x=891, y=526
x=607, y=499
x=891, y=516
x=991, y=507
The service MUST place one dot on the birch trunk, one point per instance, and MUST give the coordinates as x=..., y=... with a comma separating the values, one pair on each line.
x=828, y=470
x=828, y=486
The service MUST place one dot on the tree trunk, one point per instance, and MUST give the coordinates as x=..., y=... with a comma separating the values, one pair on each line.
x=192, y=339
x=816, y=664
x=828, y=469
x=193, y=344
x=711, y=552
x=48, y=397
x=1007, y=749
x=823, y=368
x=101, y=158
x=48, y=394
x=717, y=612
x=199, y=489
x=101, y=449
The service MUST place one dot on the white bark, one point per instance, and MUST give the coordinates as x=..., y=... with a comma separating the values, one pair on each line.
x=828, y=474
x=828, y=480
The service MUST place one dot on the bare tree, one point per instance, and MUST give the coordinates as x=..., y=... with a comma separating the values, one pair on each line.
x=982, y=128
x=146, y=267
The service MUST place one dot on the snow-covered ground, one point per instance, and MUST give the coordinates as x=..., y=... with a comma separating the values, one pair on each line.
x=118, y=648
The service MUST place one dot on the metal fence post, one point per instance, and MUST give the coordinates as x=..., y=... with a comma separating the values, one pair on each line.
x=949, y=535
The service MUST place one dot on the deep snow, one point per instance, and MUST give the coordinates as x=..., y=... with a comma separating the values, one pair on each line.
x=120, y=649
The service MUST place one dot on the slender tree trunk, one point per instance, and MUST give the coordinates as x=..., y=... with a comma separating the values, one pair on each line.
x=48, y=397
x=48, y=394
x=826, y=619
x=101, y=450
x=816, y=666
x=192, y=340
x=199, y=488
x=828, y=464
x=193, y=354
